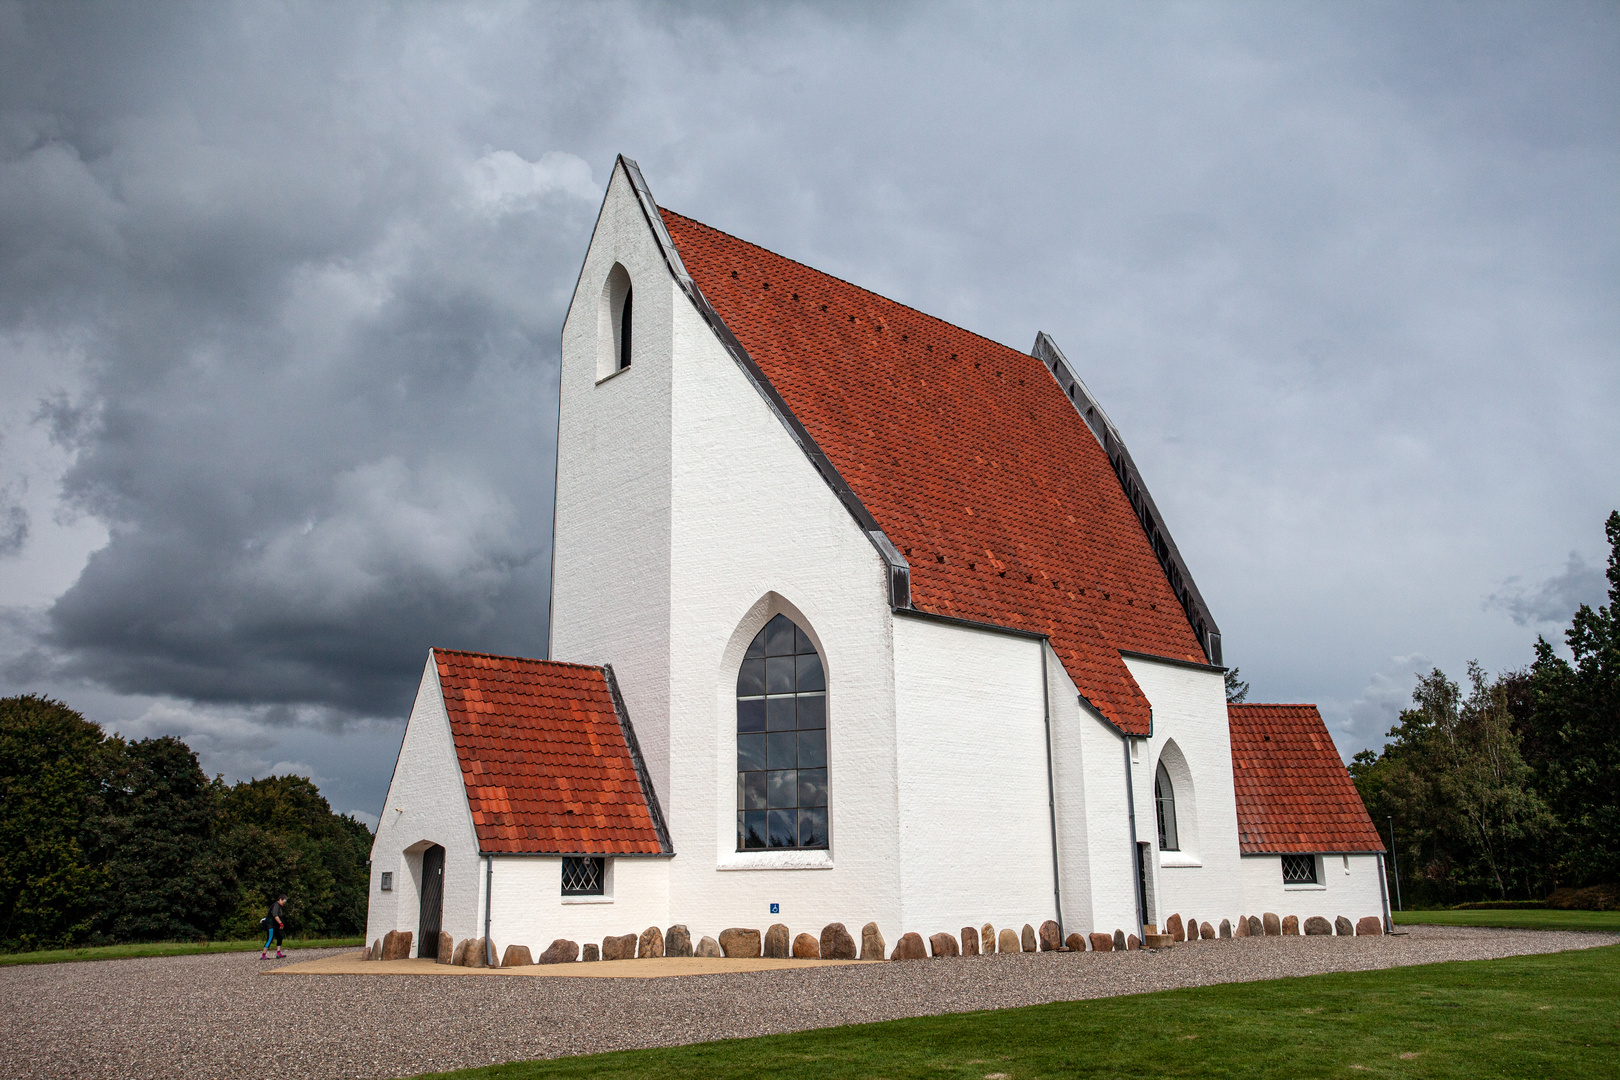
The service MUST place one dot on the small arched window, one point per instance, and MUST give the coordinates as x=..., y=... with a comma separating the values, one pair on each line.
x=614, y=327
x=1164, y=797
x=781, y=741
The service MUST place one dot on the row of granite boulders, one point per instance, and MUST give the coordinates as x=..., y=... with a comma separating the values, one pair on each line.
x=836, y=942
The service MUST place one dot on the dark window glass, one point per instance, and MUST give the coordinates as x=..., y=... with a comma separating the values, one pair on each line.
x=812, y=710
x=624, y=330
x=1164, y=797
x=781, y=741
x=750, y=752
x=751, y=714
x=751, y=679
x=1299, y=869
x=780, y=711
x=784, y=828
x=584, y=877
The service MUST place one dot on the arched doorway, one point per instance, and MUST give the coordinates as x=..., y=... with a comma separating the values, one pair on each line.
x=432, y=914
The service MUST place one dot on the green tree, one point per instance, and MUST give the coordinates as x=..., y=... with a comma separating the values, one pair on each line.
x=1573, y=731
x=150, y=832
x=282, y=835
x=1237, y=691
x=49, y=765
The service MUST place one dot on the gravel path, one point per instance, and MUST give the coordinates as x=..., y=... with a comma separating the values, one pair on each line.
x=212, y=1016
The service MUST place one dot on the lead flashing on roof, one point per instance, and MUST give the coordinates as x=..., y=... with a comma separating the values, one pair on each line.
x=1174, y=661
x=971, y=624
x=629, y=730
x=1130, y=479
x=898, y=570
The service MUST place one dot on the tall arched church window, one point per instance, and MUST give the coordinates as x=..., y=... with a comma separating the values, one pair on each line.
x=624, y=328
x=1164, y=796
x=615, y=325
x=781, y=741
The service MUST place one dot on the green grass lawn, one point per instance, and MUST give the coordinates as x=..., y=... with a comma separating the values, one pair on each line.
x=1544, y=1017
x=1533, y=919
x=167, y=948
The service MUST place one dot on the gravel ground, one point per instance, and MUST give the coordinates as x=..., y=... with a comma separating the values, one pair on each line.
x=212, y=1016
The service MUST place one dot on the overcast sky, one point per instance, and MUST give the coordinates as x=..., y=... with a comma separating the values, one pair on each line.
x=281, y=291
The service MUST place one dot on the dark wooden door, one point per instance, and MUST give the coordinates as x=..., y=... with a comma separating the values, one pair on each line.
x=432, y=902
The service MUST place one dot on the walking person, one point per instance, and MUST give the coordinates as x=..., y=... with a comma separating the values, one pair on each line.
x=274, y=924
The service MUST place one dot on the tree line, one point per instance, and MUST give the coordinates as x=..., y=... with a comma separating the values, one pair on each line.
x=105, y=840
x=1508, y=787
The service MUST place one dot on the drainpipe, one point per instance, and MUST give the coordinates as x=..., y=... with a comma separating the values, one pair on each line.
x=1138, y=868
x=489, y=899
x=1383, y=897
x=1051, y=794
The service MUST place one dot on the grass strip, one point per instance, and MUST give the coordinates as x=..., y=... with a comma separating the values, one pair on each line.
x=1547, y=1016
x=1524, y=919
x=167, y=948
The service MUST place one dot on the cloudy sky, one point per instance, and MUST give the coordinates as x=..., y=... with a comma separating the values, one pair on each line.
x=281, y=289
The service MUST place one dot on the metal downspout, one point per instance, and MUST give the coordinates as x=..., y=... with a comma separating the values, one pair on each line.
x=489, y=901
x=1383, y=895
x=1138, y=869
x=1051, y=794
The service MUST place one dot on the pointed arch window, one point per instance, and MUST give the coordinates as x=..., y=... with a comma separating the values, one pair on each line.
x=1164, y=798
x=781, y=741
x=615, y=327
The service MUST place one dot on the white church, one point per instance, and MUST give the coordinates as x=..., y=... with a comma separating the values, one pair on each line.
x=856, y=616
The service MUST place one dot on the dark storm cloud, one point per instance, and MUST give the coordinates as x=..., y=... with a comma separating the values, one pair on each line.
x=1343, y=275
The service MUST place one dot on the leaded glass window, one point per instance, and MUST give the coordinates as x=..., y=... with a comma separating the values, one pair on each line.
x=781, y=741
x=1164, y=797
x=584, y=877
x=1299, y=869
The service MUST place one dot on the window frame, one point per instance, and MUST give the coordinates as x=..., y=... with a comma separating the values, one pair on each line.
x=1301, y=860
x=1169, y=839
x=585, y=867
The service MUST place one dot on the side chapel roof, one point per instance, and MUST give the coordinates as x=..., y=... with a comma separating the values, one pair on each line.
x=970, y=457
x=1293, y=792
x=548, y=757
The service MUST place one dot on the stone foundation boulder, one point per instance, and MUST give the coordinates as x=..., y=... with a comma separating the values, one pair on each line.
x=447, y=948
x=1174, y=928
x=1370, y=926
x=1316, y=926
x=1119, y=940
x=778, y=945
x=1271, y=924
x=1075, y=943
x=909, y=947
x=1256, y=927
x=477, y=954
x=1226, y=928
x=872, y=944
x=677, y=941
x=1051, y=936
x=591, y=952
x=1343, y=927
x=1101, y=942
x=710, y=948
x=400, y=948
x=1007, y=942
x=561, y=951
x=970, y=941
x=622, y=947
x=1290, y=926
x=458, y=957
x=1242, y=926
x=651, y=943
x=943, y=945
x=1206, y=931
x=1026, y=940
x=806, y=947
x=376, y=950
x=517, y=956
x=987, y=939
x=740, y=942
x=836, y=943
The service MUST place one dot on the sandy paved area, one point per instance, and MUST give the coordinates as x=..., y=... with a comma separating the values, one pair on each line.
x=224, y=1015
x=666, y=967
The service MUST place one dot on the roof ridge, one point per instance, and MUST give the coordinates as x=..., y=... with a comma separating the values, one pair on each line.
x=437, y=650
x=1270, y=705
x=845, y=281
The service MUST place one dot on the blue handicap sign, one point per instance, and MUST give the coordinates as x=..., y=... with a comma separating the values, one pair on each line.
x=776, y=909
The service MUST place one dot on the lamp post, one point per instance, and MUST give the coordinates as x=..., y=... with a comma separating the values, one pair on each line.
x=1395, y=863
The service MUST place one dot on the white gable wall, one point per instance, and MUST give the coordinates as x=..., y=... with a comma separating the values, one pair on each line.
x=427, y=804
x=1203, y=879
x=610, y=563
x=530, y=909
x=756, y=531
x=1346, y=885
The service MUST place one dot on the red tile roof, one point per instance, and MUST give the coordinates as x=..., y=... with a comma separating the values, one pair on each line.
x=967, y=453
x=544, y=757
x=1293, y=793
